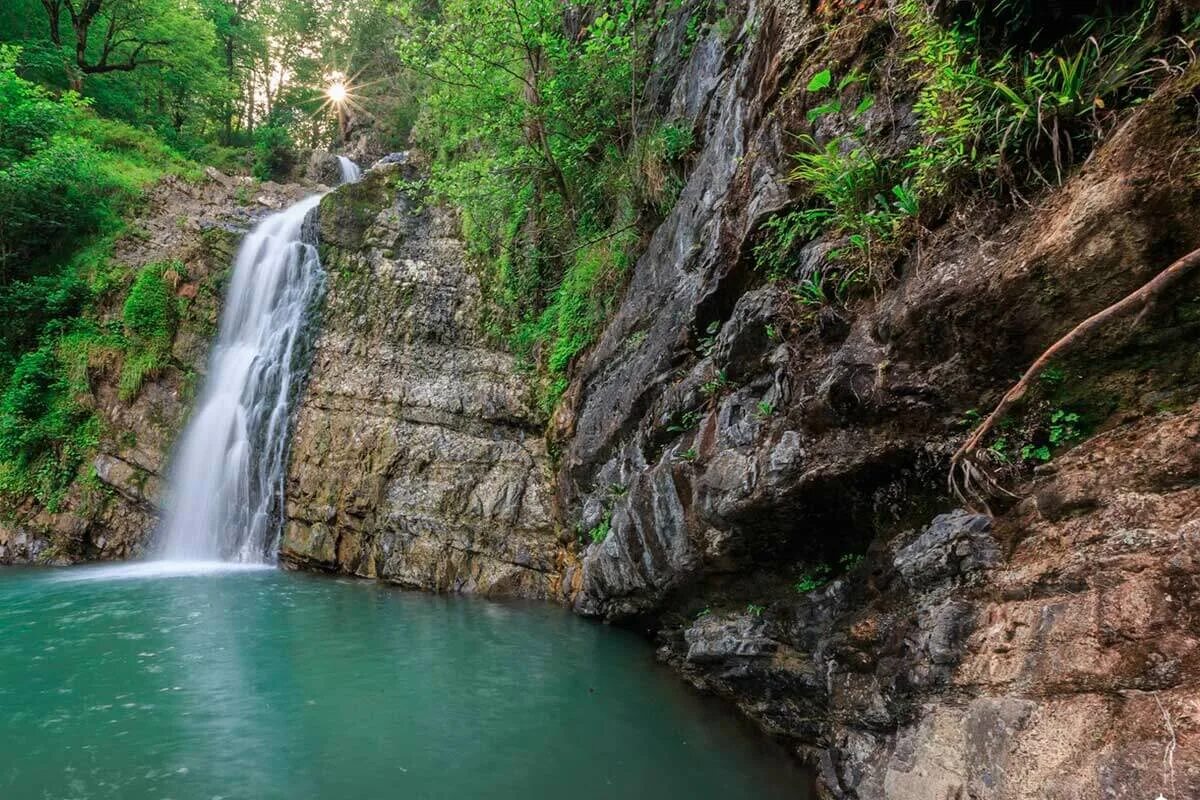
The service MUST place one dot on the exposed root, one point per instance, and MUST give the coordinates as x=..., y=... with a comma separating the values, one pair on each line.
x=1168, y=750
x=970, y=480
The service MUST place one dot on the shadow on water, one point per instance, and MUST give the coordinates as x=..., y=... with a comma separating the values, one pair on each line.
x=117, y=682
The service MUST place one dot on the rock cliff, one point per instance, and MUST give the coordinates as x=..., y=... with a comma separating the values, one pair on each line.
x=417, y=456
x=788, y=538
x=775, y=500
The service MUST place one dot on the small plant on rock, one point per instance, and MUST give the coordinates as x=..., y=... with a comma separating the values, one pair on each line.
x=814, y=578
x=684, y=422
x=708, y=342
x=717, y=385
x=599, y=533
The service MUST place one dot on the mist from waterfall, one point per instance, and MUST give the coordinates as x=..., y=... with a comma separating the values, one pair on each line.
x=228, y=471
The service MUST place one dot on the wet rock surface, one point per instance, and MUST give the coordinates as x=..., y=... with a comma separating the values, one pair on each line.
x=417, y=457
x=324, y=168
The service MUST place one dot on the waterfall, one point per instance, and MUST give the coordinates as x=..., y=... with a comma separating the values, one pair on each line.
x=350, y=170
x=228, y=471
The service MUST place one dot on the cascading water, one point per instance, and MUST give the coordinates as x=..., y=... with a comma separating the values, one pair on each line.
x=350, y=170
x=228, y=471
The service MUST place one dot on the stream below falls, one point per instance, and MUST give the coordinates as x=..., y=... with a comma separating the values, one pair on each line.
x=200, y=681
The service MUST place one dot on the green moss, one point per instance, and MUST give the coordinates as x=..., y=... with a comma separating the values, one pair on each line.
x=149, y=311
x=150, y=318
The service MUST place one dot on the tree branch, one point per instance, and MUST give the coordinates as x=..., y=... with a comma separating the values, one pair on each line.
x=969, y=479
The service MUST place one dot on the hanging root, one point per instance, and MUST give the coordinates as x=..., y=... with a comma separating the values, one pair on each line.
x=970, y=480
x=1168, y=750
x=973, y=483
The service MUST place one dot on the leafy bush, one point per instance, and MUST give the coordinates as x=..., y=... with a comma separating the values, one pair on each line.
x=54, y=189
x=149, y=308
x=853, y=192
x=273, y=152
x=44, y=433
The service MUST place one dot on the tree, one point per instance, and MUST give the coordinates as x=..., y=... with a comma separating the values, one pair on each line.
x=128, y=35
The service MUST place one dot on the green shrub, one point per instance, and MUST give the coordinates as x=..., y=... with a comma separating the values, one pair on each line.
x=996, y=120
x=54, y=198
x=274, y=152
x=45, y=434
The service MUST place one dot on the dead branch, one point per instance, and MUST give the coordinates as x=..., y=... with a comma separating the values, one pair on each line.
x=969, y=478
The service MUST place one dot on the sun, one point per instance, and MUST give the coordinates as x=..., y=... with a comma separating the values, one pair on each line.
x=337, y=92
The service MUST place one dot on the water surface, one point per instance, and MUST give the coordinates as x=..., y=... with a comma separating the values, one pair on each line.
x=207, y=682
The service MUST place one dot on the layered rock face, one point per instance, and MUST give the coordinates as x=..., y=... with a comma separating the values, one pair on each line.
x=779, y=514
x=112, y=508
x=417, y=457
x=776, y=497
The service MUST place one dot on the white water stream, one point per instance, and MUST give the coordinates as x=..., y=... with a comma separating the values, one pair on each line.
x=350, y=171
x=227, y=475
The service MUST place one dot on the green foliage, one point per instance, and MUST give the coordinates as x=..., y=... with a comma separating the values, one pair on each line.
x=717, y=385
x=1023, y=115
x=1064, y=426
x=829, y=286
x=45, y=435
x=993, y=119
x=533, y=133
x=819, y=574
x=684, y=422
x=149, y=307
x=708, y=342
x=273, y=152
x=52, y=181
x=765, y=409
x=150, y=320
x=813, y=578
x=853, y=192
x=822, y=80
x=1035, y=442
x=755, y=610
x=599, y=533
